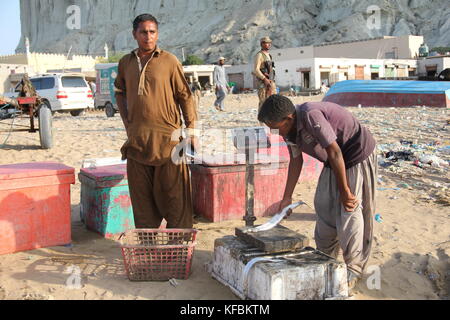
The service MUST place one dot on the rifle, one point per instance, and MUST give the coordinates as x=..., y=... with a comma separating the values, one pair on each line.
x=269, y=73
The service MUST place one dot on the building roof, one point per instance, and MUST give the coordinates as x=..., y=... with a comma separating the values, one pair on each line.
x=360, y=40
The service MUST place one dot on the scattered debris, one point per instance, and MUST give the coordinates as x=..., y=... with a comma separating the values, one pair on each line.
x=174, y=282
x=378, y=218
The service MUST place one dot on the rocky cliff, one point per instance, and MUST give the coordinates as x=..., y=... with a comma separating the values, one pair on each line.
x=230, y=28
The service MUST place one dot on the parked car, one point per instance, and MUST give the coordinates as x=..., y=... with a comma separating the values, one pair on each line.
x=62, y=92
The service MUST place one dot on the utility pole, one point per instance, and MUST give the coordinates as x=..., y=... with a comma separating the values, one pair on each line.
x=27, y=50
x=67, y=58
x=27, y=46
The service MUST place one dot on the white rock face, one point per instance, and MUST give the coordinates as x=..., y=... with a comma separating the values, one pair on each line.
x=230, y=28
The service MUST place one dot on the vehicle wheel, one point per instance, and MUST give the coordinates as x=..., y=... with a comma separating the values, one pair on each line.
x=77, y=113
x=46, y=103
x=45, y=127
x=109, y=110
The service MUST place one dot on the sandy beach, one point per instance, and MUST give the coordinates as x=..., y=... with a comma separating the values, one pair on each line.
x=411, y=244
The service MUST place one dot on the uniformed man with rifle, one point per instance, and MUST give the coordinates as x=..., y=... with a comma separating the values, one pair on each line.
x=264, y=70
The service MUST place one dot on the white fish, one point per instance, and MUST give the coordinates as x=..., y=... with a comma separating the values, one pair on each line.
x=276, y=219
x=249, y=266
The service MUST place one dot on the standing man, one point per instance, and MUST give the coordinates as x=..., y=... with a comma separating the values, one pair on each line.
x=150, y=91
x=345, y=196
x=93, y=88
x=222, y=87
x=264, y=70
x=196, y=89
x=324, y=88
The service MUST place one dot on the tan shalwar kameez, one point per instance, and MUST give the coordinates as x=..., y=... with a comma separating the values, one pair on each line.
x=155, y=93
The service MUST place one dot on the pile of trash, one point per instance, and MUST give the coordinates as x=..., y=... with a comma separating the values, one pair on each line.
x=411, y=160
x=422, y=156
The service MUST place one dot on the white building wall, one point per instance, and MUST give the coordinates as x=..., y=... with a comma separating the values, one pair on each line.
x=246, y=70
x=200, y=71
x=336, y=68
x=289, y=74
x=441, y=64
x=446, y=63
x=293, y=53
x=403, y=47
x=41, y=62
x=12, y=72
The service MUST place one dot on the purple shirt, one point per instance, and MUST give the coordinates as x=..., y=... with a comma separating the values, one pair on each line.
x=319, y=124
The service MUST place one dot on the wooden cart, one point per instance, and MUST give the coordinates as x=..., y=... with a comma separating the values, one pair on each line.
x=28, y=107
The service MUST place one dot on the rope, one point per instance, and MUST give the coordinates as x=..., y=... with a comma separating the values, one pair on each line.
x=11, y=127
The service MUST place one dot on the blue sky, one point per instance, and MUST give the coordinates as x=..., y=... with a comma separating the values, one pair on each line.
x=9, y=26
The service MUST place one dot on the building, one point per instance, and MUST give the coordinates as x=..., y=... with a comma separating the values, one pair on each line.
x=433, y=66
x=52, y=63
x=306, y=68
x=204, y=74
x=40, y=63
x=243, y=76
x=387, y=47
x=14, y=66
x=11, y=74
x=45, y=62
x=311, y=73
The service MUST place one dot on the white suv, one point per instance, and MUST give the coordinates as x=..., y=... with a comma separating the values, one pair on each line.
x=62, y=92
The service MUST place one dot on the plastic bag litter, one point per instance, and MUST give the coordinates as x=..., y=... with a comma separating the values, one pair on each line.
x=433, y=160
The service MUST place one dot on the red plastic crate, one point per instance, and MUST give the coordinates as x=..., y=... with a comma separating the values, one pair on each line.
x=157, y=255
x=312, y=168
x=34, y=206
x=219, y=191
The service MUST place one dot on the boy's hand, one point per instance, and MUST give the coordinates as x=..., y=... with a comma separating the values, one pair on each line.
x=285, y=203
x=349, y=201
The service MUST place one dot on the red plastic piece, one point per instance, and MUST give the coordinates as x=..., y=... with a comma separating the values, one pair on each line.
x=27, y=100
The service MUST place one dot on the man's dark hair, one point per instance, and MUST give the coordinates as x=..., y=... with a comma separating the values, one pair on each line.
x=275, y=109
x=143, y=18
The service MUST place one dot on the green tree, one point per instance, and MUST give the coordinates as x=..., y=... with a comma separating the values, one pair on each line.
x=193, y=60
x=441, y=50
x=113, y=59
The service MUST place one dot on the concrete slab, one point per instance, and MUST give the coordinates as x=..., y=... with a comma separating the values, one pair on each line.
x=277, y=240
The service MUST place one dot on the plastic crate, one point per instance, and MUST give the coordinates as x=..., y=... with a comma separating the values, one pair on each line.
x=34, y=206
x=158, y=255
x=105, y=200
x=218, y=190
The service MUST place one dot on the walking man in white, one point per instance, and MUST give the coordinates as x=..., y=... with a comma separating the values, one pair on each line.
x=222, y=87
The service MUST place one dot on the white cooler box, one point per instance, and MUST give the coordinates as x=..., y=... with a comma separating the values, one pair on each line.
x=306, y=274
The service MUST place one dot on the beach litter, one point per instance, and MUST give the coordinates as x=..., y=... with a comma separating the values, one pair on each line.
x=378, y=218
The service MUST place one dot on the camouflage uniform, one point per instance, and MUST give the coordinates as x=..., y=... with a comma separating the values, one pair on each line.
x=264, y=69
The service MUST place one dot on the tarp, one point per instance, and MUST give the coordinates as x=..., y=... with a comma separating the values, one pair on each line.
x=388, y=86
x=385, y=93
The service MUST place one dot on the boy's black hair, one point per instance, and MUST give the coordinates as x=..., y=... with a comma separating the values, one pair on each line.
x=142, y=18
x=275, y=109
